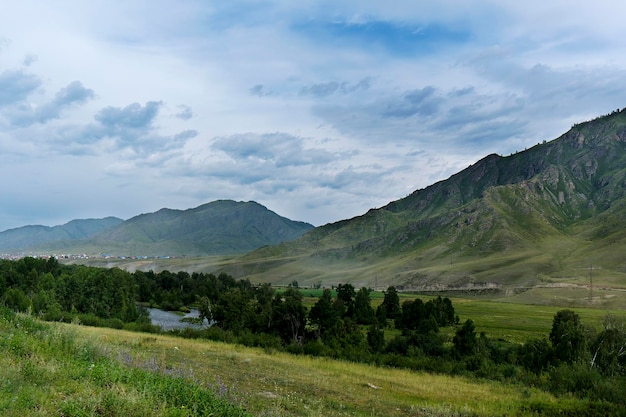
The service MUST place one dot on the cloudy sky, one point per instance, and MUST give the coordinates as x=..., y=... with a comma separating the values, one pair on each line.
x=318, y=110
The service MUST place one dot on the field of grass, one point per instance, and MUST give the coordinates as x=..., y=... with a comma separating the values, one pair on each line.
x=59, y=370
x=71, y=370
x=278, y=384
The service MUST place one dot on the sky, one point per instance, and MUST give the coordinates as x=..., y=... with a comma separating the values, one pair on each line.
x=319, y=110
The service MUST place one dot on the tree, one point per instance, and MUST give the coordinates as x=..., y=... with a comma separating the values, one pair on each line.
x=446, y=315
x=289, y=315
x=464, y=340
x=381, y=316
x=428, y=326
x=263, y=309
x=204, y=309
x=233, y=310
x=15, y=299
x=412, y=314
x=345, y=295
x=535, y=355
x=609, y=349
x=376, y=339
x=363, y=312
x=323, y=314
x=391, y=304
x=567, y=336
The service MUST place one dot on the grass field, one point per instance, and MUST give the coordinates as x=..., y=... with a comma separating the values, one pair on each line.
x=48, y=369
x=60, y=370
x=278, y=384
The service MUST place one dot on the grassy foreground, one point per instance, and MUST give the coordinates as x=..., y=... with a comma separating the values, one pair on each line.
x=53, y=370
x=57, y=369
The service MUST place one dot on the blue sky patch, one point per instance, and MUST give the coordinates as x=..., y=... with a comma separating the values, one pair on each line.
x=395, y=38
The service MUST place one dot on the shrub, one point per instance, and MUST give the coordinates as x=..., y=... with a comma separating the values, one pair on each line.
x=577, y=379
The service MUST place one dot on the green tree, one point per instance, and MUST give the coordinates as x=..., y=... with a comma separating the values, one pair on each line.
x=609, y=349
x=412, y=314
x=15, y=299
x=376, y=339
x=381, y=317
x=535, y=355
x=289, y=315
x=345, y=296
x=390, y=307
x=363, y=311
x=233, y=310
x=263, y=308
x=464, y=339
x=323, y=314
x=3, y=283
x=567, y=336
x=204, y=309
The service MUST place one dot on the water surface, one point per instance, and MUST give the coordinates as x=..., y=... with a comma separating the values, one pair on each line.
x=169, y=321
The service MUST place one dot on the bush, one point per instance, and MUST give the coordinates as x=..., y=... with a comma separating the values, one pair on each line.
x=317, y=348
x=90, y=320
x=6, y=313
x=219, y=335
x=577, y=409
x=610, y=389
x=398, y=345
x=142, y=327
x=114, y=323
x=295, y=349
x=577, y=379
x=15, y=299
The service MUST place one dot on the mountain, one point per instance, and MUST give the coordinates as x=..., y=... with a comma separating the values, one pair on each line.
x=28, y=236
x=539, y=216
x=217, y=228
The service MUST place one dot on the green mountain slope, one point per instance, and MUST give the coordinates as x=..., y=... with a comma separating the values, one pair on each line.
x=217, y=228
x=28, y=236
x=515, y=221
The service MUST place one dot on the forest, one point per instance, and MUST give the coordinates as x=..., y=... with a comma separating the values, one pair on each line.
x=422, y=334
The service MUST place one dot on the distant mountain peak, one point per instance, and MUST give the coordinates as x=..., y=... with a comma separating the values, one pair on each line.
x=34, y=235
x=215, y=228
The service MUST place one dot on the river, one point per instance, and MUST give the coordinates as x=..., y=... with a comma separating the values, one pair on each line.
x=169, y=321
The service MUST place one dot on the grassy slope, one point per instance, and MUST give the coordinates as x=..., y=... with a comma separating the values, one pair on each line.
x=276, y=384
x=59, y=369
x=56, y=370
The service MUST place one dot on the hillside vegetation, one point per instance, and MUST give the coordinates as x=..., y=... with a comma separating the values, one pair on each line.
x=539, y=216
x=54, y=369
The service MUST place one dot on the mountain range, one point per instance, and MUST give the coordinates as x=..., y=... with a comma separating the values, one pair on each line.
x=549, y=215
x=546, y=215
x=217, y=228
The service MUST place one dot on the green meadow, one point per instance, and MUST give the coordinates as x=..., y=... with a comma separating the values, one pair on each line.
x=56, y=369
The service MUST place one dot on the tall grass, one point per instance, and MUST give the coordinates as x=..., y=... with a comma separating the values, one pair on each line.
x=56, y=369
x=279, y=384
x=49, y=370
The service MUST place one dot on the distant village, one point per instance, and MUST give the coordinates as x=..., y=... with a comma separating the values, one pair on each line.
x=14, y=257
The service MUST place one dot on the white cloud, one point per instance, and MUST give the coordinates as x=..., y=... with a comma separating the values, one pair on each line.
x=318, y=110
